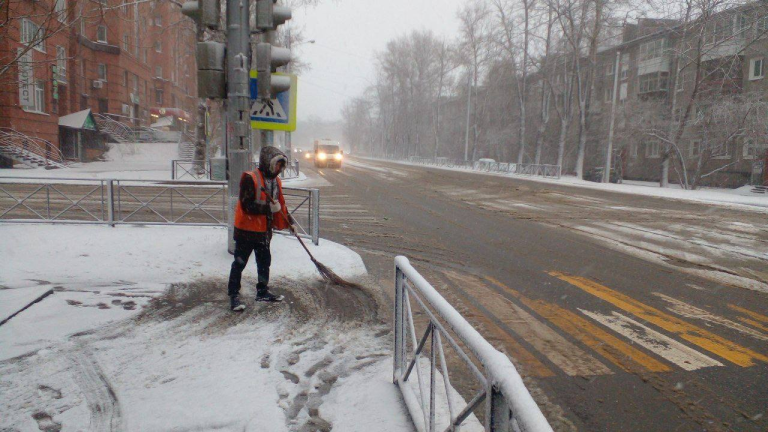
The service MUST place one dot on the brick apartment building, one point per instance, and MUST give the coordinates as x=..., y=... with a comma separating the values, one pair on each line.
x=131, y=61
x=653, y=75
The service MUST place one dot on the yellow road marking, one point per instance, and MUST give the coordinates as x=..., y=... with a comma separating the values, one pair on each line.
x=711, y=342
x=609, y=346
x=756, y=316
x=754, y=324
x=571, y=359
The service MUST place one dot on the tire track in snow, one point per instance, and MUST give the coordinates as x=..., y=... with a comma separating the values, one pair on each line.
x=102, y=400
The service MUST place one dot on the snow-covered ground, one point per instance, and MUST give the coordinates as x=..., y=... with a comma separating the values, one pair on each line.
x=133, y=161
x=740, y=198
x=138, y=336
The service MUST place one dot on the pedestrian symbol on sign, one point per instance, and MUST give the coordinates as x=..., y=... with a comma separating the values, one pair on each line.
x=278, y=113
x=268, y=109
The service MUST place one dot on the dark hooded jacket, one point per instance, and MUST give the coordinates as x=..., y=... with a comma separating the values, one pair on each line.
x=268, y=160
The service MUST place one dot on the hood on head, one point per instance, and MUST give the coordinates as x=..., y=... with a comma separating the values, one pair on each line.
x=268, y=160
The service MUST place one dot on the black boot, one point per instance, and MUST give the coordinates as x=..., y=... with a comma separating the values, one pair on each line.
x=263, y=295
x=235, y=305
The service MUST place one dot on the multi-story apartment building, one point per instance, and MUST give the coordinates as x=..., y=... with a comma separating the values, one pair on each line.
x=125, y=60
x=686, y=89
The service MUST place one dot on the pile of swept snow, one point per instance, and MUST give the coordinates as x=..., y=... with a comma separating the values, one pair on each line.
x=138, y=336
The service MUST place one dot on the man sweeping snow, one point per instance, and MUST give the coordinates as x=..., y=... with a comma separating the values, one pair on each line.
x=255, y=218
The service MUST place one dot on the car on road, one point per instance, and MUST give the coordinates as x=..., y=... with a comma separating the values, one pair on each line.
x=327, y=154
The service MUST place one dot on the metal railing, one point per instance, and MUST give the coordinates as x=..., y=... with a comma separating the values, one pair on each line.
x=201, y=170
x=136, y=202
x=541, y=170
x=197, y=170
x=20, y=145
x=508, y=404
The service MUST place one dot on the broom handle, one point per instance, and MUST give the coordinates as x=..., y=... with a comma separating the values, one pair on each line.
x=282, y=213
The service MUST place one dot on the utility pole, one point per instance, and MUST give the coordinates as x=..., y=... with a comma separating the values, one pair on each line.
x=469, y=107
x=233, y=82
x=609, y=150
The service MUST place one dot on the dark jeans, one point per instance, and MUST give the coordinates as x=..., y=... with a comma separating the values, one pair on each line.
x=243, y=251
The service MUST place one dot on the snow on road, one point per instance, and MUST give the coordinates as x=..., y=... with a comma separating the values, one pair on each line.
x=741, y=198
x=138, y=336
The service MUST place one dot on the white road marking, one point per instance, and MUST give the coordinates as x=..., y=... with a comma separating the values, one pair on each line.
x=689, y=311
x=664, y=346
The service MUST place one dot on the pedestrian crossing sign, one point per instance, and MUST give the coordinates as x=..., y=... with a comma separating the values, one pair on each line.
x=278, y=113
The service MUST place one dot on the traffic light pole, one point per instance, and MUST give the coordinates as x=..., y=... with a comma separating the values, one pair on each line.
x=238, y=103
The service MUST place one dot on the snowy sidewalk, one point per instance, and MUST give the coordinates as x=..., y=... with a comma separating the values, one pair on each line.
x=740, y=198
x=138, y=336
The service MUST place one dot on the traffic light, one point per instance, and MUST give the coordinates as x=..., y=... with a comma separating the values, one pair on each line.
x=211, y=78
x=268, y=56
x=205, y=13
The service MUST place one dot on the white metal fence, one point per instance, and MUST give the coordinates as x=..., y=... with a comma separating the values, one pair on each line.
x=136, y=202
x=540, y=170
x=508, y=404
x=201, y=170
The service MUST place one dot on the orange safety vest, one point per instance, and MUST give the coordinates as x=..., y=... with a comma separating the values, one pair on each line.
x=259, y=223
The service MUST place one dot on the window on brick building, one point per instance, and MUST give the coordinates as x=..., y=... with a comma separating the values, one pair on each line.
x=159, y=71
x=695, y=149
x=753, y=150
x=32, y=34
x=38, y=97
x=159, y=97
x=101, y=34
x=158, y=47
x=653, y=82
x=60, y=7
x=652, y=149
x=756, y=68
x=102, y=69
x=158, y=21
x=126, y=43
x=61, y=63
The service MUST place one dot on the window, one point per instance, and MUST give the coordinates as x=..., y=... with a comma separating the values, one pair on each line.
x=756, y=69
x=761, y=26
x=623, y=92
x=30, y=33
x=159, y=71
x=158, y=47
x=653, y=82
x=609, y=68
x=135, y=83
x=38, y=97
x=652, y=149
x=102, y=71
x=721, y=151
x=695, y=149
x=608, y=94
x=61, y=63
x=633, y=150
x=158, y=21
x=101, y=34
x=683, y=80
x=752, y=150
x=721, y=29
x=60, y=7
x=159, y=97
x=624, y=66
x=126, y=42
x=653, y=49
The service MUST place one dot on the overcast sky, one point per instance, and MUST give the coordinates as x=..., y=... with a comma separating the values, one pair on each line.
x=347, y=34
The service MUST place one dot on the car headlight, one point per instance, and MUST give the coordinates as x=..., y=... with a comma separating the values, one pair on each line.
x=322, y=156
x=307, y=155
x=338, y=156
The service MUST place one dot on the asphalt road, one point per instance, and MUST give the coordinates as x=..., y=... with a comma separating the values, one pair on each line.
x=623, y=313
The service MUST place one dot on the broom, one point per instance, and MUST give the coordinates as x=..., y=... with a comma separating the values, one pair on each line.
x=325, y=272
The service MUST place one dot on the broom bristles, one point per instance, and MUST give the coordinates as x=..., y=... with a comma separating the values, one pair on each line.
x=332, y=277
